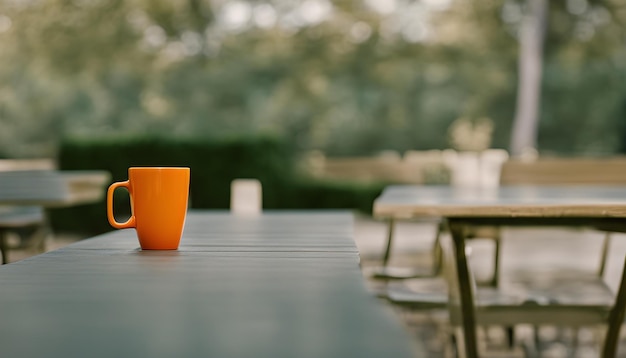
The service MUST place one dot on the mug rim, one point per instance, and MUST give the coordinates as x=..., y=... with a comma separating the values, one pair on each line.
x=158, y=168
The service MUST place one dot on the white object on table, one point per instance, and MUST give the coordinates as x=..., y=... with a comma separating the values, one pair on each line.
x=246, y=196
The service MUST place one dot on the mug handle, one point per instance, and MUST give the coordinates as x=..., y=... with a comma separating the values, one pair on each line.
x=131, y=221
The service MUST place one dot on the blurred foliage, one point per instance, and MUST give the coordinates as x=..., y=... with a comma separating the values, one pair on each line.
x=214, y=164
x=345, y=77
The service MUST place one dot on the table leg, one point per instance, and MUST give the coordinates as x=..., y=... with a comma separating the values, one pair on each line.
x=458, y=230
x=3, y=247
x=389, y=241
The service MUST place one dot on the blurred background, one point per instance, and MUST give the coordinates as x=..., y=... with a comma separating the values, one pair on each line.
x=346, y=78
x=324, y=101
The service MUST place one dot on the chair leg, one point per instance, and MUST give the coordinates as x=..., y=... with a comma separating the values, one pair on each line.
x=604, y=254
x=537, y=338
x=497, y=240
x=459, y=343
x=46, y=233
x=616, y=318
x=390, y=231
x=575, y=341
x=40, y=236
x=437, y=250
x=387, y=273
x=4, y=247
x=510, y=336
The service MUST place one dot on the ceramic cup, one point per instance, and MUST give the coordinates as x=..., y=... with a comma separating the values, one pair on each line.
x=158, y=200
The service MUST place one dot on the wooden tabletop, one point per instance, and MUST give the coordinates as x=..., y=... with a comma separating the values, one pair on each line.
x=282, y=284
x=508, y=201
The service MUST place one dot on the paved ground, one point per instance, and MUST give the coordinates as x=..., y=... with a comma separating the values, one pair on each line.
x=538, y=248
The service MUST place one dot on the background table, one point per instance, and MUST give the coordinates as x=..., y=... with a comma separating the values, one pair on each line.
x=274, y=285
x=602, y=207
x=52, y=188
x=25, y=194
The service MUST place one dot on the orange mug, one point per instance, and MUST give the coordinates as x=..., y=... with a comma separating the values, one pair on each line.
x=158, y=202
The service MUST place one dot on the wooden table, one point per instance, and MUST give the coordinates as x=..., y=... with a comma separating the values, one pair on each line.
x=598, y=207
x=24, y=194
x=52, y=188
x=280, y=284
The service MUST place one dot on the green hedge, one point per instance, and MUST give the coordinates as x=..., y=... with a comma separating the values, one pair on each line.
x=214, y=164
x=312, y=194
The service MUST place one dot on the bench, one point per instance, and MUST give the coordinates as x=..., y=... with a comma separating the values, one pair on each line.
x=565, y=171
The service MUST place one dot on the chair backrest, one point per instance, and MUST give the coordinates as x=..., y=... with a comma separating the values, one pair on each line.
x=246, y=196
x=565, y=171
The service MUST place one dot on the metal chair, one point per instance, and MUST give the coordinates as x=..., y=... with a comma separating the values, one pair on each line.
x=385, y=272
x=571, y=304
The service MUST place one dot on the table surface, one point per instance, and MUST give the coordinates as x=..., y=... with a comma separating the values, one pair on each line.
x=280, y=284
x=507, y=201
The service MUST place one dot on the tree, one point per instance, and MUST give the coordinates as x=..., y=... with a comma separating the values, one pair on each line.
x=525, y=125
x=344, y=77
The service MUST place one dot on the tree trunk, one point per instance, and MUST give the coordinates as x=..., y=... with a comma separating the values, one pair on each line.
x=524, y=133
